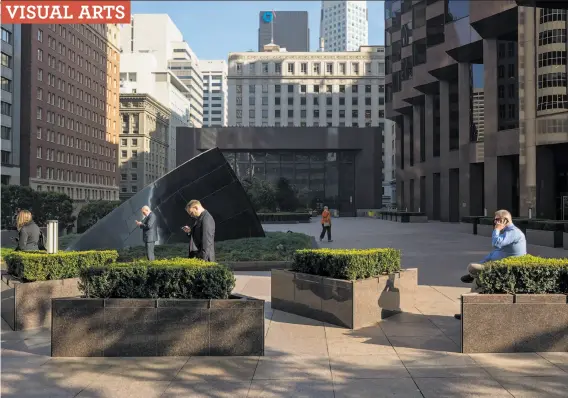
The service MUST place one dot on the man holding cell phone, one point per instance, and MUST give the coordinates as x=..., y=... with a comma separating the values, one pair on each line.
x=507, y=241
x=202, y=233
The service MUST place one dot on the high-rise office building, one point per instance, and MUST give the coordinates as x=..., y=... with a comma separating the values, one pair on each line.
x=158, y=35
x=69, y=109
x=442, y=58
x=275, y=88
x=215, y=93
x=11, y=70
x=288, y=29
x=344, y=25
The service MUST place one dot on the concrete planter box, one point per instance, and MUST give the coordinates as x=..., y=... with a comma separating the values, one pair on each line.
x=404, y=218
x=28, y=305
x=485, y=230
x=544, y=238
x=85, y=327
x=501, y=323
x=565, y=240
x=414, y=219
x=352, y=304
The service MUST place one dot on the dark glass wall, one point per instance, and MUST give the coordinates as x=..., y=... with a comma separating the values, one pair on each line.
x=319, y=176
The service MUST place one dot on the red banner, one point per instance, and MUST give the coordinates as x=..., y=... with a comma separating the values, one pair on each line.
x=65, y=12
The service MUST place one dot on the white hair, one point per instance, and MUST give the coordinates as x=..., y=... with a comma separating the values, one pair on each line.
x=504, y=214
x=145, y=208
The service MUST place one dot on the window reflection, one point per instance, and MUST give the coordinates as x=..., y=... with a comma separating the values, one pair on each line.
x=456, y=9
x=316, y=174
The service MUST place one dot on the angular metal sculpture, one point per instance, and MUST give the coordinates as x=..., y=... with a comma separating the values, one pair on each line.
x=207, y=177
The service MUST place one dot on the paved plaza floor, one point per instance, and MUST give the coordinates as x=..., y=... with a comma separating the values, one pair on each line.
x=409, y=355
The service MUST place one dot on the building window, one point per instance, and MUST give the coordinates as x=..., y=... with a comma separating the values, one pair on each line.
x=39, y=54
x=342, y=68
x=291, y=67
x=552, y=15
x=239, y=67
x=290, y=113
x=252, y=67
x=38, y=133
x=40, y=35
x=6, y=132
x=40, y=75
x=134, y=189
x=368, y=68
x=38, y=152
x=134, y=165
x=38, y=172
x=265, y=67
x=317, y=68
x=329, y=67
x=6, y=60
x=134, y=177
x=251, y=114
x=6, y=36
x=304, y=68
x=6, y=84
x=123, y=154
x=290, y=88
x=551, y=58
x=39, y=113
x=548, y=102
x=557, y=79
x=251, y=100
x=316, y=89
x=277, y=113
x=252, y=89
x=355, y=68
x=124, y=142
x=278, y=67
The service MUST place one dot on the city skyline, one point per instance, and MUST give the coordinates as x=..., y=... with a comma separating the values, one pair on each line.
x=242, y=17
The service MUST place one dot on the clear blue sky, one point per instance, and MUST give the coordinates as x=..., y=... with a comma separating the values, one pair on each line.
x=214, y=28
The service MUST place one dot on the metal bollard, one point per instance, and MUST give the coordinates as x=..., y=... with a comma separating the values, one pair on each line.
x=52, y=236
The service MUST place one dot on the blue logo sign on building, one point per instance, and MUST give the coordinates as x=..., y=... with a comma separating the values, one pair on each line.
x=268, y=17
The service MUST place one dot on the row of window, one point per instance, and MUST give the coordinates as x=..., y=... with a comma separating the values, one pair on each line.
x=552, y=36
x=329, y=88
x=6, y=84
x=124, y=189
x=316, y=68
x=79, y=193
x=303, y=113
x=552, y=15
x=556, y=101
x=552, y=58
x=74, y=160
x=73, y=142
x=303, y=101
x=557, y=79
x=49, y=173
x=305, y=124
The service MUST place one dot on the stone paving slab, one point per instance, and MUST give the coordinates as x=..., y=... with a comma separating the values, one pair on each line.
x=409, y=355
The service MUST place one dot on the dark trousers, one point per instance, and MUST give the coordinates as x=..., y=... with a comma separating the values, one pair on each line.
x=323, y=231
x=150, y=250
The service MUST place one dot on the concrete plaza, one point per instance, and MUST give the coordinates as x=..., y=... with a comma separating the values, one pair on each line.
x=409, y=355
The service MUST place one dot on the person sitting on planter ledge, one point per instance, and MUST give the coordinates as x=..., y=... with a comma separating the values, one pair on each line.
x=507, y=241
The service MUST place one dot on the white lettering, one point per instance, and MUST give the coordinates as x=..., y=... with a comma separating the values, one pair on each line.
x=12, y=10
x=85, y=14
x=55, y=12
x=67, y=15
x=120, y=12
x=97, y=12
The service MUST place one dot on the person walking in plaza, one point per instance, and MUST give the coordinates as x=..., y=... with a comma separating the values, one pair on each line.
x=325, y=224
x=29, y=234
x=201, y=233
x=507, y=241
x=149, y=231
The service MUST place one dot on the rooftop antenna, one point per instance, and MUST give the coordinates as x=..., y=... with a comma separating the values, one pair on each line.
x=272, y=27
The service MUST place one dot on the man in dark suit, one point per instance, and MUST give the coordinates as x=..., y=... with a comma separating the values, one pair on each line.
x=149, y=231
x=202, y=233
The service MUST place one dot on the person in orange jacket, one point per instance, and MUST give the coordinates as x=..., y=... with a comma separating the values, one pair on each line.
x=326, y=224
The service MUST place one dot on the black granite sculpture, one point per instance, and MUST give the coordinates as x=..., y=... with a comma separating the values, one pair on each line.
x=207, y=177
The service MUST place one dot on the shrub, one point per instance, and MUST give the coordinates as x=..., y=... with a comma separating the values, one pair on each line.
x=40, y=266
x=91, y=213
x=276, y=246
x=545, y=225
x=525, y=275
x=261, y=193
x=349, y=264
x=43, y=205
x=286, y=195
x=178, y=278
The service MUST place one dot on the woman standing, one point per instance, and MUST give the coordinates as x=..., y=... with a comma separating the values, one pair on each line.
x=28, y=232
x=325, y=224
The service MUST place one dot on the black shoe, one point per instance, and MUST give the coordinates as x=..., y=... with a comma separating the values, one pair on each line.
x=467, y=278
x=458, y=316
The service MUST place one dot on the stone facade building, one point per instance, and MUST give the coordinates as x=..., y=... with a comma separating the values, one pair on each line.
x=441, y=54
x=143, y=142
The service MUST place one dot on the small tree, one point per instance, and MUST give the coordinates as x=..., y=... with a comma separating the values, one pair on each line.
x=261, y=193
x=286, y=195
x=90, y=214
x=14, y=197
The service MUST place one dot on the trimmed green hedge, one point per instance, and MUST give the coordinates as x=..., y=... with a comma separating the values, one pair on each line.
x=40, y=266
x=349, y=264
x=276, y=246
x=178, y=278
x=525, y=275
